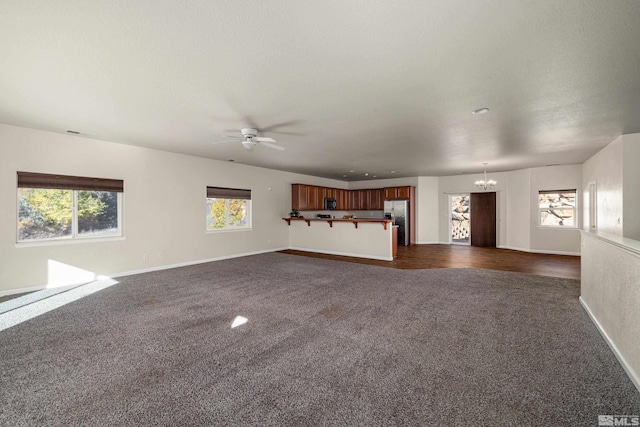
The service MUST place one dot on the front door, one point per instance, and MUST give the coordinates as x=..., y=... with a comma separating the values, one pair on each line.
x=483, y=224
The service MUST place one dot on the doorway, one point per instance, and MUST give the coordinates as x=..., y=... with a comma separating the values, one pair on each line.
x=460, y=219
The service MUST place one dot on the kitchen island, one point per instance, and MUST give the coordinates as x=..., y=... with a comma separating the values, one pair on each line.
x=362, y=238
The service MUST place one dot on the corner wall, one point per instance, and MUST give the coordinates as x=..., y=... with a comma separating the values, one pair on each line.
x=605, y=169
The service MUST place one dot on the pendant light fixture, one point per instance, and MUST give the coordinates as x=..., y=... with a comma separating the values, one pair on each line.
x=486, y=184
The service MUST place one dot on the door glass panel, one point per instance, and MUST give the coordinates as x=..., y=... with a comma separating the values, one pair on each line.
x=460, y=219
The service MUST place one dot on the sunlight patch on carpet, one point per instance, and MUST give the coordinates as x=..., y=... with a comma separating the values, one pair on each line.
x=29, y=311
x=238, y=321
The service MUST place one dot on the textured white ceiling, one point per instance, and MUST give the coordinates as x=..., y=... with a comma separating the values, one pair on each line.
x=370, y=86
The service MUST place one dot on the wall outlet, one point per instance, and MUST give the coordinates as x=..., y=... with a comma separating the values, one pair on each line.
x=145, y=256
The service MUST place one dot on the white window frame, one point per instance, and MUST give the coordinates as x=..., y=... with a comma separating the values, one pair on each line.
x=74, y=184
x=221, y=195
x=574, y=208
x=74, y=223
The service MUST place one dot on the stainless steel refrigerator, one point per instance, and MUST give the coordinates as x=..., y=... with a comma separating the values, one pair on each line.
x=398, y=210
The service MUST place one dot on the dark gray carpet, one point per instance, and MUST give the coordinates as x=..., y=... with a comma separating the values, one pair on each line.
x=326, y=343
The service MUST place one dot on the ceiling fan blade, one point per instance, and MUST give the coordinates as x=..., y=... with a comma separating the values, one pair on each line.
x=287, y=133
x=263, y=139
x=279, y=125
x=233, y=134
x=226, y=141
x=270, y=145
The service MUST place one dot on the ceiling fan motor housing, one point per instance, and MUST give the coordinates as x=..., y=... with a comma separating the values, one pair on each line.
x=248, y=144
x=249, y=132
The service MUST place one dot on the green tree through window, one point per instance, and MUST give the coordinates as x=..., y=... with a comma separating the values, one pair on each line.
x=228, y=209
x=53, y=206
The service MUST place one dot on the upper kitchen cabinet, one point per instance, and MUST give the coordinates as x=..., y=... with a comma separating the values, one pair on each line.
x=374, y=199
x=357, y=200
x=300, y=197
x=306, y=197
x=342, y=200
x=391, y=193
x=315, y=198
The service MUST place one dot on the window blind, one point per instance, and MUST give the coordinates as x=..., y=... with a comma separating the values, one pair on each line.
x=228, y=193
x=556, y=191
x=66, y=182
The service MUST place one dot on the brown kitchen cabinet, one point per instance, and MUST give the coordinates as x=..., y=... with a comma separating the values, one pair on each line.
x=311, y=197
x=374, y=200
x=300, y=197
x=403, y=192
x=357, y=200
x=315, y=198
x=392, y=193
x=342, y=200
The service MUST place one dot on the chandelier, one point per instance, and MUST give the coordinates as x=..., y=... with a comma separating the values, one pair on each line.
x=486, y=184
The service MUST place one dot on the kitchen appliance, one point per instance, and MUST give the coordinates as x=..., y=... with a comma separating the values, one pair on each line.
x=398, y=211
x=330, y=204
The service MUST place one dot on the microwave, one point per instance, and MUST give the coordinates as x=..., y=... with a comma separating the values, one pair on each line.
x=330, y=204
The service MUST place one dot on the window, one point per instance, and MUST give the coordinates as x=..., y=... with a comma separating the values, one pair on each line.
x=228, y=209
x=57, y=207
x=557, y=208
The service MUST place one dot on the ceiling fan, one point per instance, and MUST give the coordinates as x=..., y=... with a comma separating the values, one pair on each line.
x=249, y=138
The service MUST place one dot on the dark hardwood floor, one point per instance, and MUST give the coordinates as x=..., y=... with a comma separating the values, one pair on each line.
x=459, y=256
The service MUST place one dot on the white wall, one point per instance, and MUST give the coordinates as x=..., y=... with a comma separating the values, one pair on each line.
x=631, y=186
x=610, y=285
x=427, y=210
x=555, y=240
x=605, y=169
x=519, y=210
x=610, y=292
x=164, y=206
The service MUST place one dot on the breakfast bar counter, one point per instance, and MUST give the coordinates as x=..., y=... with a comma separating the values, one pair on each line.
x=356, y=237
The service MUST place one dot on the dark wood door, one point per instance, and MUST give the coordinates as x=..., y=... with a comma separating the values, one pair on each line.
x=483, y=219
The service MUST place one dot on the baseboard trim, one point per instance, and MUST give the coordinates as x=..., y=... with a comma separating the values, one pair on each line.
x=633, y=376
x=381, y=258
x=429, y=243
x=200, y=261
x=149, y=270
x=539, y=251
x=22, y=290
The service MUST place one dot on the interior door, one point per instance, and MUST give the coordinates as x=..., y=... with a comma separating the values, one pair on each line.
x=483, y=219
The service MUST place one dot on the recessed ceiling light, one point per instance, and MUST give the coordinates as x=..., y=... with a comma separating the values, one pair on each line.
x=344, y=176
x=479, y=111
x=375, y=176
x=393, y=171
x=352, y=171
x=366, y=174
